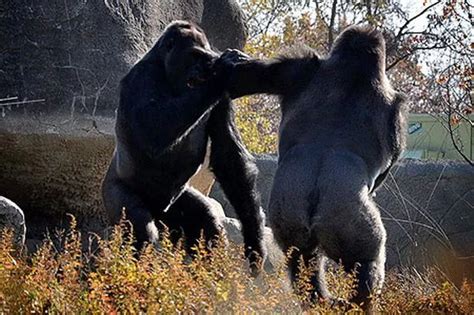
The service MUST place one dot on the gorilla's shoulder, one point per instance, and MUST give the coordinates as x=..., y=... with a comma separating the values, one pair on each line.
x=143, y=70
x=299, y=51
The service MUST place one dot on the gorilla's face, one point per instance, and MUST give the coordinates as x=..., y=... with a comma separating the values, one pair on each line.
x=188, y=57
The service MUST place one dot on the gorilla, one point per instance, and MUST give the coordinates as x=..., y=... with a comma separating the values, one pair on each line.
x=171, y=103
x=342, y=129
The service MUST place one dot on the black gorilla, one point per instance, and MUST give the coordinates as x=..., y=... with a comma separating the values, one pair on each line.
x=341, y=131
x=171, y=103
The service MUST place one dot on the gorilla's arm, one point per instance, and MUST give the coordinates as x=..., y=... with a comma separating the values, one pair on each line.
x=381, y=178
x=397, y=132
x=281, y=76
x=162, y=119
x=237, y=174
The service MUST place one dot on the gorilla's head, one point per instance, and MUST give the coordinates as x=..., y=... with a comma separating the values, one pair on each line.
x=363, y=47
x=187, y=55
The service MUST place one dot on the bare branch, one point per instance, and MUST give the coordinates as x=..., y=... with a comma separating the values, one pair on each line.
x=407, y=22
x=14, y=98
x=331, y=24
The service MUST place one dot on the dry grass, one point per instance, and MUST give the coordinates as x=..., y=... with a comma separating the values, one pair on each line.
x=114, y=280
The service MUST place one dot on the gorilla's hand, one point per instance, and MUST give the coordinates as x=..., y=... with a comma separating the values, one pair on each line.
x=234, y=57
x=228, y=60
x=225, y=67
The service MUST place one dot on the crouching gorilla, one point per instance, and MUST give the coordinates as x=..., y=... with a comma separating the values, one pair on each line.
x=171, y=102
x=342, y=129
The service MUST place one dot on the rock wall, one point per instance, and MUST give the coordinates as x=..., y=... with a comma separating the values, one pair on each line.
x=73, y=53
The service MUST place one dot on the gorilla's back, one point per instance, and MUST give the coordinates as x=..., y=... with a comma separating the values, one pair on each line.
x=337, y=111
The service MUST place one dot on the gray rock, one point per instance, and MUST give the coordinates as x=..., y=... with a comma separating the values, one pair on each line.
x=73, y=53
x=427, y=208
x=224, y=24
x=11, y=216
x=217, y=209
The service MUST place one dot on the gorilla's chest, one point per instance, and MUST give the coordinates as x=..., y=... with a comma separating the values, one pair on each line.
x=183, y=158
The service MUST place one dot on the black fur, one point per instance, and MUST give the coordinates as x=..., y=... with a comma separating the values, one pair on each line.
x=342, y=129
x=171, y=102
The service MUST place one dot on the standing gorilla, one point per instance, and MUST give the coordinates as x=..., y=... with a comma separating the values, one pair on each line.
x=171, y=102
x=342, y=129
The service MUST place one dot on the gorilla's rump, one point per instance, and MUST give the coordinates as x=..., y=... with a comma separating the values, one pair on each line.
x=294, y=197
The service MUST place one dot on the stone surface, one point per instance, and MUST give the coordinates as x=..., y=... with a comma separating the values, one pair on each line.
x=224, y=23
x=11, y=217
x=233, y=229
x=73, y=53
x=427, y=208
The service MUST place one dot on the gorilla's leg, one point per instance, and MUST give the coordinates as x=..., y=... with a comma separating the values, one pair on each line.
x=317, y=263
x=118, y=197
x=362, y=248
x=370, y=275
x=236, y=172
x=292, y=200
x=292, y=204
x=367, y=257
x=189, y=216
x=348, y=224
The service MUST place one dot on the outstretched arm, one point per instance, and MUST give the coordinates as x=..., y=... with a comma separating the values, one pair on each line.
x=237, y=174
x=275, y=76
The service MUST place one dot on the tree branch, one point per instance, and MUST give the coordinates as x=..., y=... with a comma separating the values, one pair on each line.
x=331, y=24
x=405, y=25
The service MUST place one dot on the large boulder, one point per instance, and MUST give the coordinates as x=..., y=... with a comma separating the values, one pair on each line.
x=224, y=23
x=49, y=175
x=73, y=53
x=11, y=217
x=427, y=208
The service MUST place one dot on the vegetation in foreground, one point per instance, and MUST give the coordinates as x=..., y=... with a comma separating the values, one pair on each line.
x=112, y=280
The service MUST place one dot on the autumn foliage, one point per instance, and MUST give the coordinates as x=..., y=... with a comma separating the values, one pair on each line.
x=115, y=279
